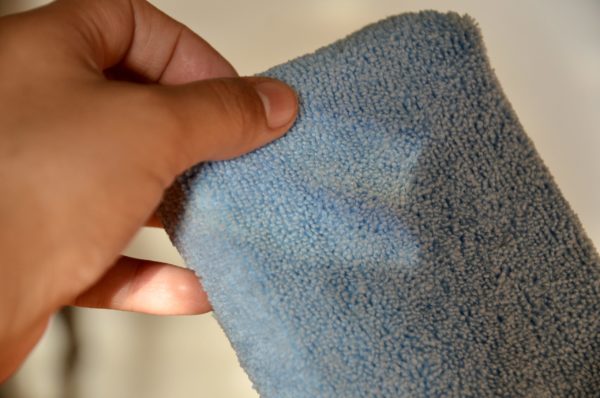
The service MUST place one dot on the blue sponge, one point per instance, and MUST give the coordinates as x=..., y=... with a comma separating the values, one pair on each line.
x=404, y=239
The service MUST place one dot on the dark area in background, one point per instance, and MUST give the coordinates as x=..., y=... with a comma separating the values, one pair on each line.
x=69, y=362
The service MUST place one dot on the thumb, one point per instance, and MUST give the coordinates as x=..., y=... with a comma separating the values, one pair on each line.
x=221, y=118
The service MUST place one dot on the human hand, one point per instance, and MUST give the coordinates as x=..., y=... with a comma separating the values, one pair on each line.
x=84, y=160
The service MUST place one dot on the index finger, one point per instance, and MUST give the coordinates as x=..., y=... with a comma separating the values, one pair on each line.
x=136, y=35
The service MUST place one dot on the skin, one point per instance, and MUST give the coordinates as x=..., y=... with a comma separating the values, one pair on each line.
x=103, y=104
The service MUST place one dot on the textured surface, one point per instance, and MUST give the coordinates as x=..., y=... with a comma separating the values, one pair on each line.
x=403, y=239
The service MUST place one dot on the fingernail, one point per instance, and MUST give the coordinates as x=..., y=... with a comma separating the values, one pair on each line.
x=279, y=102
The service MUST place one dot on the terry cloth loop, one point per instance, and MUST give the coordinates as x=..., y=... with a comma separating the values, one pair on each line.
x=404, y=239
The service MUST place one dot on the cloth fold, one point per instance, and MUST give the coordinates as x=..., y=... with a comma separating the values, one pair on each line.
x=403, y=239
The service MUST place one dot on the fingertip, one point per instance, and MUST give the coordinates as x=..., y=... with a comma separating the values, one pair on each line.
x=147, y=287
x=280, y=102
x=183, y=295
x=165, y=290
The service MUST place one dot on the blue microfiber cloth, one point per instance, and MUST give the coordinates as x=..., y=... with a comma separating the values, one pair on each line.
x=404, y=239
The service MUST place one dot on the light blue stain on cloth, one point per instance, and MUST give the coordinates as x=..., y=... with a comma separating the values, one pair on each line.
x=404, y=239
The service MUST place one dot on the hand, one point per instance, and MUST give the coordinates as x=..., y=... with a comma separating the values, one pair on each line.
x=85, y=159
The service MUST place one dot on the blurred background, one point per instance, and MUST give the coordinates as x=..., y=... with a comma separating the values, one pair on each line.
x=547, y=57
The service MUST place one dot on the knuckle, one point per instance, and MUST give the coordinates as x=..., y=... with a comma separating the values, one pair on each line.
x=239, y=106
x=162, y=132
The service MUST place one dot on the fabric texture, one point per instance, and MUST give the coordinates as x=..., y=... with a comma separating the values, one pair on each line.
x=404, y=239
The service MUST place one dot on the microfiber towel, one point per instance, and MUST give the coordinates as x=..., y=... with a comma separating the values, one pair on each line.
x=404, y=239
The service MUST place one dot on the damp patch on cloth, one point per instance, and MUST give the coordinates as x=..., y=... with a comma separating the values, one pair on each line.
x=404, y=239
